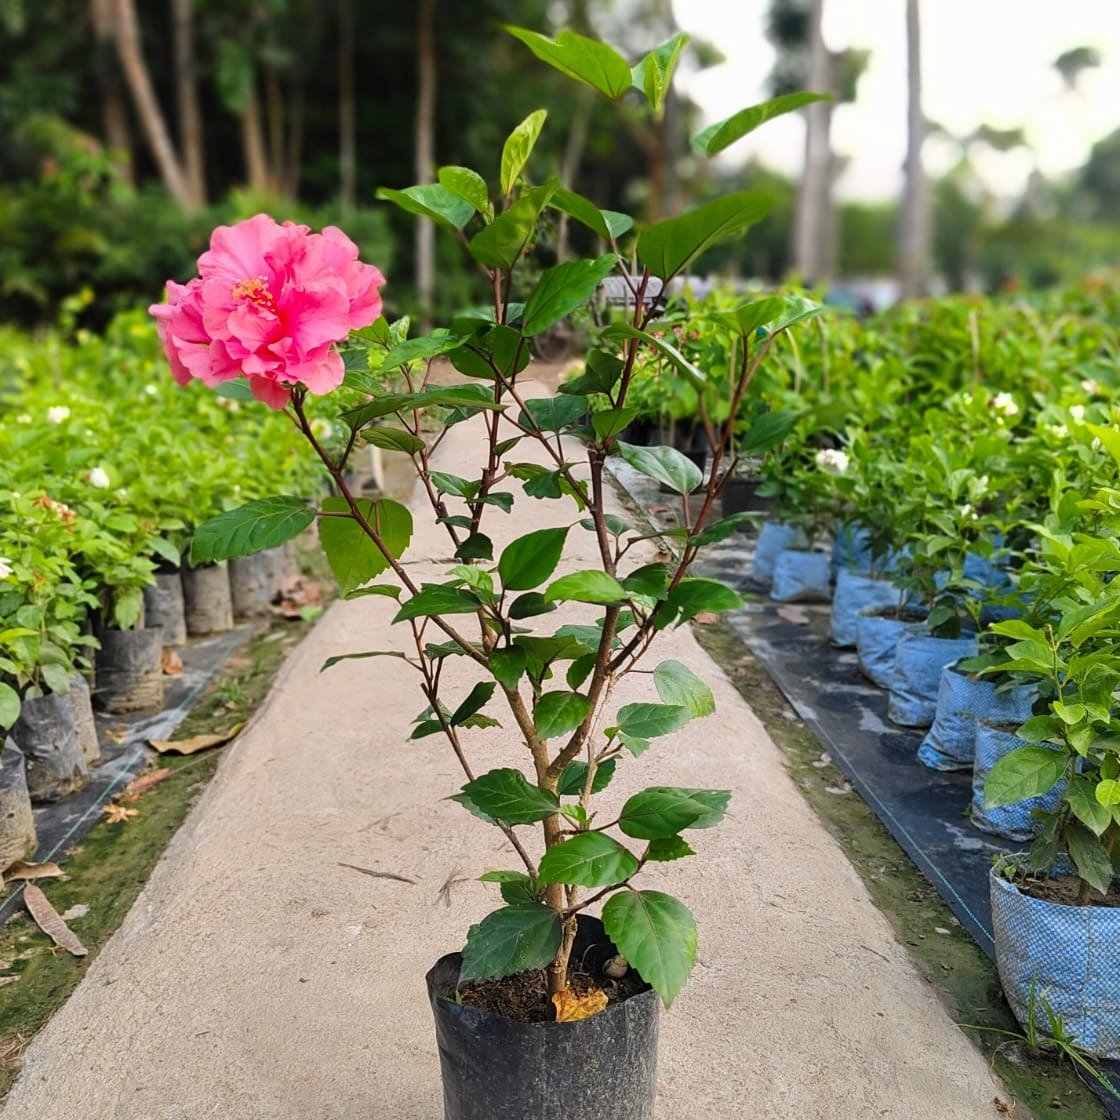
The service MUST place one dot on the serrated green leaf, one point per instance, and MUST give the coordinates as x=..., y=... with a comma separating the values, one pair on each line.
x=435, y=598
x=561, y=290
x=507, y=665
x=691, y=596
x=332, y=661
x=575, y=775
x=250, y=528
x=648, y=721
x=656, y=934
x=551, y=414
x=666, y=810
x=506, y=795
x=558, y=712
x=666, y=848
x=586, y=60
x=469, y=186
x=593, y=586
x=528, y=561
x=353, y=557
x=654, y=74
x=431, y=201
x=676, y=683
x=1091, y=857
x=591, y=859
x=393, y=439
x=476, y=700
x=513, y=939
x=500, y=243
x=1080, y=795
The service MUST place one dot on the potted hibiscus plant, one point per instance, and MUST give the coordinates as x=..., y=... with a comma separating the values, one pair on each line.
x=271, y=304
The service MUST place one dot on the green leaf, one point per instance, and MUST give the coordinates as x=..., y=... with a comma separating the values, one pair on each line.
x=562, y=289
x=469, y=186
x=332, y=661
x=435, y=396
x=1080, y=794
x=250, y=528
x=662, y=464
x=420, y=349
x=656, y=934
x=667, y=247
x=452, y=484
x=476, y=700
x=529, y=560
x=513, y=939
x=601, y=372
x=393, y=439
x=691, y=596
x=654, y=74
x=504, y=239
x=353, y=557
x=501, y=347
x=506, y=796
x=575, y=775
x=678, y=684
x=516, y=887
x=1107, y=792
x=507, y=665
x=651, y=581
x=1038, y=729
x=722, y=134
x=551, y=414
x=431, y=201
x=591, y=859
x=666, y=848
x=593, y=586
x=9, y=705
x=236, y=391
x=587, y=60
x=1069, y=714
x=438, y=599
x=617, y=223
x=583, y=210
x=664, y=810
x=611, y=421
x=648, y=721
x=558, y=712
x=722, y=529
x=530, y=605
x=518, y=147
x=1022, y=773
x=1094, y=864
x=768, y=430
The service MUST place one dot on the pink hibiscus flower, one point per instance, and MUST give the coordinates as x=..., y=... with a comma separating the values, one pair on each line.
x=269, y=304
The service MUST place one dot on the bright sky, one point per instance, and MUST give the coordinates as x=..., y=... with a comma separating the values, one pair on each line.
x=984, y=61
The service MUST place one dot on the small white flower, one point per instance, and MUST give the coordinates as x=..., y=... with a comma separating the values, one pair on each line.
x=831, y=461
x=151, y=390
x=967, y=513
x=1077, y=411
x=23, y=418
x=321, y=428
x=57, y=413
x=1059, y=431
x=5, y=568
x=1096, y=444
x=1004, y=403
x=1091, y=386
x=98, y=479
x=982, y=484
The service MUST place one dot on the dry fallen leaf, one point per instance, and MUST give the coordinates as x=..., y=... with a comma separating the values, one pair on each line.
x=706, y=618
x=6, y=980
x=795, y=615
x=197, y=743
x=48, y=920
x=144, y=783
x=75, y=912
x=571, y=1007
x=171, y=662
x=20, y=871
x=117, y=734
x=118, y=814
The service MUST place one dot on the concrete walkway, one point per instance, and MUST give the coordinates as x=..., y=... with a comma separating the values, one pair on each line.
x=257, y=979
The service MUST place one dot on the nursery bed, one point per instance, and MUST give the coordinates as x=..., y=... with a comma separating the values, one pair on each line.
x=124, y=751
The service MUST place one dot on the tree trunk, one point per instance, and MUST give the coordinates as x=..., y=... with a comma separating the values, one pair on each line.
x=914, y=227
x=127, y=36
x=186, y=92
x=252, y=141
x=814, y=198
x=114, y=110
x=276, y=157
x=573, y=155
x=425, y=152
x=347, y=110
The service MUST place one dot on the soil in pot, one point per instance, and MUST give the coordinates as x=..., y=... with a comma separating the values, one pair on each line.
x=1065, y=890
x=163, y=607
x=47, y=738
x=207, y=601
x=17, y=825
x=494, y=1068
x=129, y=670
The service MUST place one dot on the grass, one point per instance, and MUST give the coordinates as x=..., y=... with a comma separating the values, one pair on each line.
x=111, y=864
x=952, y=962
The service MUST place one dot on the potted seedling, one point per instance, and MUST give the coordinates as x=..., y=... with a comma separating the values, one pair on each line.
x=277, y=298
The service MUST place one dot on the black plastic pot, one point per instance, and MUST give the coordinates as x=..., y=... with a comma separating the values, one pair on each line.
x=129, y=670
x=206, y=600
x=17, y=825
x=251, y=582
x=81, y=708
x=48, y=740
x=740, y=495
x=163, y=606
x=600, y=1068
